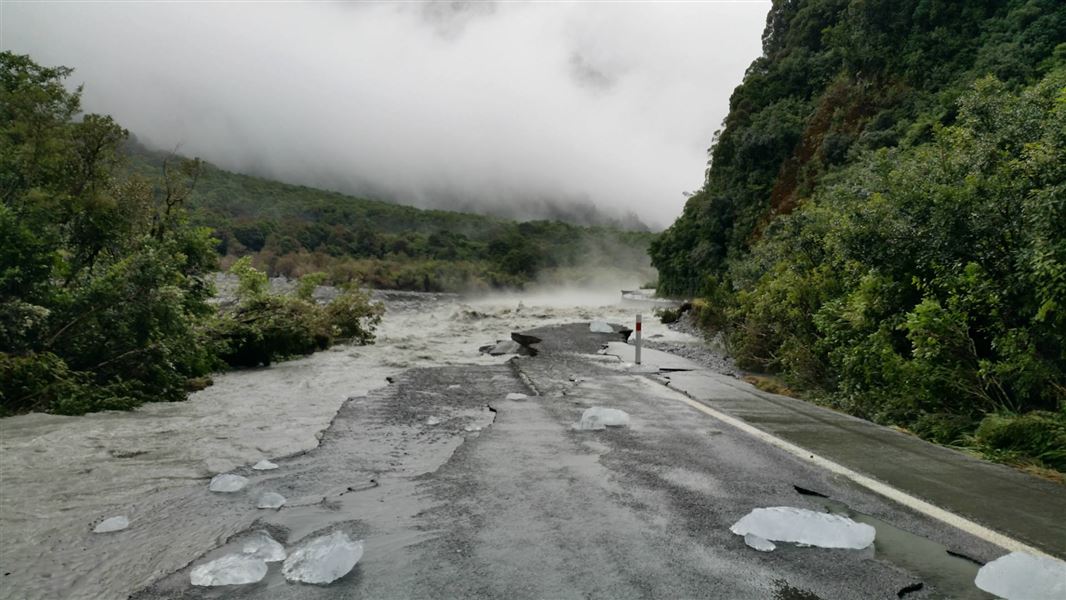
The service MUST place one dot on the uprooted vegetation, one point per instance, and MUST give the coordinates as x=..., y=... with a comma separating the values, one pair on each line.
x=260, y=328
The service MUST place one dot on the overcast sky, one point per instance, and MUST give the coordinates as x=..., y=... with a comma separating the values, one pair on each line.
x=433, y=104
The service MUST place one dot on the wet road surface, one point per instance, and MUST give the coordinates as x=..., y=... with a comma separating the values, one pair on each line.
x=503, y=499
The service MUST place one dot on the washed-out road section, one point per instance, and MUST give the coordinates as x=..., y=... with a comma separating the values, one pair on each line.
x=502, y=498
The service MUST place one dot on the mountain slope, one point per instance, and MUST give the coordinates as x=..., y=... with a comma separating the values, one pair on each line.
x=837, y=78
x=883, y=222
x=294, y=230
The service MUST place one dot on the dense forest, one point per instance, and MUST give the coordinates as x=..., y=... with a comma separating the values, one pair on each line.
x=292, y=231
x=883, y=219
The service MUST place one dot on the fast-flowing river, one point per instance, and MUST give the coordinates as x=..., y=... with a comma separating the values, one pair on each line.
x=61, y=475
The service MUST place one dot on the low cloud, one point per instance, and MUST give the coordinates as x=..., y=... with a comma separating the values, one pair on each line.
x=513, y=108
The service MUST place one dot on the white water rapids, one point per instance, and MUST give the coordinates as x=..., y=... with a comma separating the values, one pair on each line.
x=59, y=476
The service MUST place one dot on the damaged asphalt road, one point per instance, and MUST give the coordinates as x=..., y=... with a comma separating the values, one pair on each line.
x=501, y=499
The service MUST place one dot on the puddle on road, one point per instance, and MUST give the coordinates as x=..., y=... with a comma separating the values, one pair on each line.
x=944, y=575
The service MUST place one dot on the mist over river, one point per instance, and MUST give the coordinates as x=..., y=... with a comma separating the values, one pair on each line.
x=60, y=476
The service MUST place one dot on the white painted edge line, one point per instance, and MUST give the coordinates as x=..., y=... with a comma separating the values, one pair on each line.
x=899, y=496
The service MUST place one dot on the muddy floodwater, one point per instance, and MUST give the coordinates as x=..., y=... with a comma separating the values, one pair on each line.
x=60, y=476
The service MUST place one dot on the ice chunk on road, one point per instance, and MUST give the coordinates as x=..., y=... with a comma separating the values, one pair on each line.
x=758, y=543
x=600, y=327
x=264, y=547
x=323, y=559
x=433, y=421
x=113, y=524
x=598, y=417
x=270, y=500
x=264, y=465
x=227, y=482
x=505, y=347
x=807, y=527
x=232, y=569
x=516, y=396
x=1019, y=575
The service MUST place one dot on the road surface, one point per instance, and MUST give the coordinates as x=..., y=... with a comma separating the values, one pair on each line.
x=501, y=499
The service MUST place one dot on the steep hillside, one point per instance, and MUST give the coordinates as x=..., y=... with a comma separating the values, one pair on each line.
x=883, y=222
x=839, y=78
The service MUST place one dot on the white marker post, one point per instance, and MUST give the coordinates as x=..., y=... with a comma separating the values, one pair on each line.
x=636, y=342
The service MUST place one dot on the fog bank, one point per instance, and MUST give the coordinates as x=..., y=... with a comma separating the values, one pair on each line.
x=510, y=107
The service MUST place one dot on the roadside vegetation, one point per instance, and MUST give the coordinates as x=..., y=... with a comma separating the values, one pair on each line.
x=886, y=231
x=105, y=280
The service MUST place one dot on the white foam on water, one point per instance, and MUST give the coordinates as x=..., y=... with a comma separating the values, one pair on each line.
x=600, y=327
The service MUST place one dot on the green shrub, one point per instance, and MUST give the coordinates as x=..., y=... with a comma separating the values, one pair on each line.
x=43, y=381
x=944, y=428
x=352, y=317
x=262, y=328
x=305, y=287
x=668, y=315
x=1037, y=434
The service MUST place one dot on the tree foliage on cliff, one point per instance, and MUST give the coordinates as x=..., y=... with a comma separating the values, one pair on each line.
x=838, y=78
x=883, y=219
